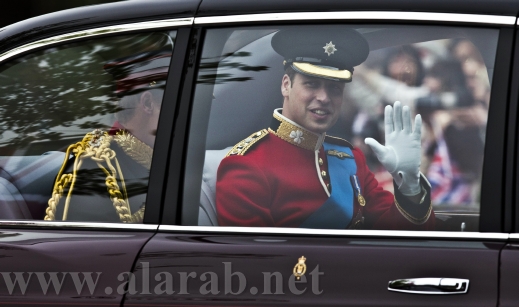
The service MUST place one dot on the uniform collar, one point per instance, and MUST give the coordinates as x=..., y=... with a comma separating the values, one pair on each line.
x=294, y=134
x=116, y=127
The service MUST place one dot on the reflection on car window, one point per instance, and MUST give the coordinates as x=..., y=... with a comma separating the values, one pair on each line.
x=342, y=127
x=78, y=128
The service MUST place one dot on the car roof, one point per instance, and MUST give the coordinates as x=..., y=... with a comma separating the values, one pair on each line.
x=236, y=7
x=142, y=10
x=84, y=17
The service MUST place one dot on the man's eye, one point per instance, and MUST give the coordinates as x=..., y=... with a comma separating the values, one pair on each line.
x=337, y=89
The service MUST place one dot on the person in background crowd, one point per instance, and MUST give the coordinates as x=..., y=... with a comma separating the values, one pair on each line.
x=456, y=152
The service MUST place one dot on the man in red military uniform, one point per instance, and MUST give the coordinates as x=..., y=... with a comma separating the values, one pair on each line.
x=294, y=175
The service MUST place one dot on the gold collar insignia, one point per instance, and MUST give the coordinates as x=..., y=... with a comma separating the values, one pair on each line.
x=293, y=133
x=134, y=148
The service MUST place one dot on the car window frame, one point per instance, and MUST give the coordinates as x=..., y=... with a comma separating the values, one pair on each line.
x=154, y=199
x=493, y=219
x=493, y=171
x=512, y=175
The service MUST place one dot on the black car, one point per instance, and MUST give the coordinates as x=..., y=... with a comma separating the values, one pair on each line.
x=114, y=120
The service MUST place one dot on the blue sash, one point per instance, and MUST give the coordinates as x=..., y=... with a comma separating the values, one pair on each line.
x=337, y=211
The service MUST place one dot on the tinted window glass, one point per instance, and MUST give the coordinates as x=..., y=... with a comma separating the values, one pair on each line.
x=263, y=167
x=78, y=125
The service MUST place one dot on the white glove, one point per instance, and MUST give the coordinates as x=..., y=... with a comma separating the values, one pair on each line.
x=401, y=155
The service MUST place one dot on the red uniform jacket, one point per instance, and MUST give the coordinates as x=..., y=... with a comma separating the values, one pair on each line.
x=276, y=184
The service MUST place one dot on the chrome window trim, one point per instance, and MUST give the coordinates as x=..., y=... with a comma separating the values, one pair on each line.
x=345, y=232
x=78, y=225
x=97, y=32
x=265, y=230
x=362, y=15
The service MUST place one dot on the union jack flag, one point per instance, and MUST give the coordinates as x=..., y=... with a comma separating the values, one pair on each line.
x=448, y=185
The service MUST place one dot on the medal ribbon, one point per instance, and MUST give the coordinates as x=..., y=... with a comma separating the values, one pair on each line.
x=358, y=194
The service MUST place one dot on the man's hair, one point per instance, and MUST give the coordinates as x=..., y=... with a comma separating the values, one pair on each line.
x=128, y=103
x=291, y=73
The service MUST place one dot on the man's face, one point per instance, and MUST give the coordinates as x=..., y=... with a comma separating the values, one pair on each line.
x=404, y=69
x=311, y=102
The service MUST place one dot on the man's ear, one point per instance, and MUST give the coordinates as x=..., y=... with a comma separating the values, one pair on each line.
x=147, y=102
x=285, y=85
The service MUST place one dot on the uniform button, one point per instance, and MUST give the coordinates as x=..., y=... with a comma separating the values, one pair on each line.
x=328, y=187
x=361, y=200
x=323, y=173
x=321, y=162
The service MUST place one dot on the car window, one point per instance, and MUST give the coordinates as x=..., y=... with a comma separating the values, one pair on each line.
x=77, y=128
x=299, y=126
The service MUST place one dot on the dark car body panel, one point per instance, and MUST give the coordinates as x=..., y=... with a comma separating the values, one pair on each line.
x=356, y=270
x=509, y=269
x=58, y=250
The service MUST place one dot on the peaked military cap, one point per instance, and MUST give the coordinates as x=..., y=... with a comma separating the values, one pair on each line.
x=139, y=72
x=328, y=52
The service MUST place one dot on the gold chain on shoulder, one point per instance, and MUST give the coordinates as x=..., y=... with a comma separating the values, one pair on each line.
x=96, y=146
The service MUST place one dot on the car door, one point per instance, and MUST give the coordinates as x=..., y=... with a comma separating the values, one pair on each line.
x=230, y=90
x=60, y=244
x=508, y=266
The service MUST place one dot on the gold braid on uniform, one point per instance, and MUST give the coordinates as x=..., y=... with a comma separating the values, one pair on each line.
x=240, y=148
x=135, y=149
x=96, y=146
x=411, y=218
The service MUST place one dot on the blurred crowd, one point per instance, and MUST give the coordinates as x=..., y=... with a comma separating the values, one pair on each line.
x=448, y=84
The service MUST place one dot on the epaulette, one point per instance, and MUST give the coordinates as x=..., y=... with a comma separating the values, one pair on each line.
x=338, y=141
x=244, y=145
x=139, y=151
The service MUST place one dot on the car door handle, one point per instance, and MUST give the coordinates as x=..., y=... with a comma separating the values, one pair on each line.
x=430, y=285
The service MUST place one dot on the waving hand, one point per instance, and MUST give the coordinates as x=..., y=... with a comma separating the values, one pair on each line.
x=401, y=154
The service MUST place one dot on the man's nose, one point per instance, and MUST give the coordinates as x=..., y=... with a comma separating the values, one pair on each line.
x=323, y=96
